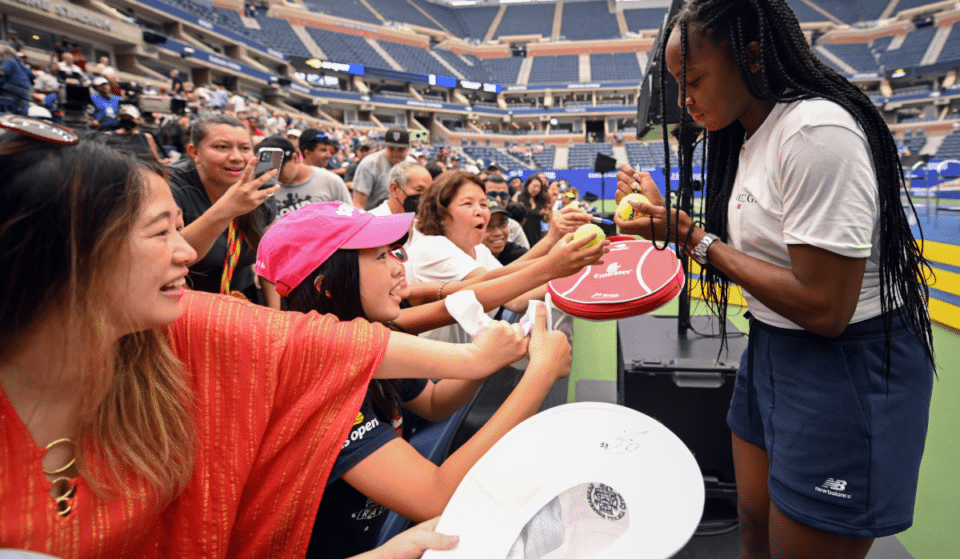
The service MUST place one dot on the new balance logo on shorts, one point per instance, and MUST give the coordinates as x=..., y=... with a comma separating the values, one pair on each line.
x=834, y=487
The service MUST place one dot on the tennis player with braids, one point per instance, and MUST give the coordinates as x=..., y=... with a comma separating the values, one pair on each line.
x=803, y=211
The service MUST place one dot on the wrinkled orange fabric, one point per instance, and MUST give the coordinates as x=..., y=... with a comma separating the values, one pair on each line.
x=274, y=394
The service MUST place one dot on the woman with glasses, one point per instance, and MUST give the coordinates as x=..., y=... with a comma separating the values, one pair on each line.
x=453, y=218
x=142, y=419
x=333, y=258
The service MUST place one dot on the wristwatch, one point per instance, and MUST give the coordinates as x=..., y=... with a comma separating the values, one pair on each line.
x=699, y=252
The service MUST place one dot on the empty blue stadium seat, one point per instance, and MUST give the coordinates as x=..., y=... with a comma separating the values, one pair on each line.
x=526, y=19
x=584, y=21
x=639, y=19
x=402, y=11
x=349, y=9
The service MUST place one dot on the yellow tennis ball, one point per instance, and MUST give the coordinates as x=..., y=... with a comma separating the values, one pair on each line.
x=626, y=211
x=588, y=230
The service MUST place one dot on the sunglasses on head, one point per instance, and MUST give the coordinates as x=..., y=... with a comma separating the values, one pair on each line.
x=39, y=129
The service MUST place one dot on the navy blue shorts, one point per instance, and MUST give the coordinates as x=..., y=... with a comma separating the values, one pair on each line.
x=844, y=446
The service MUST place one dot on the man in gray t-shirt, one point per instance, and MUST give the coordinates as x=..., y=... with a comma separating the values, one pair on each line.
x=302, y=184
x=371, y=185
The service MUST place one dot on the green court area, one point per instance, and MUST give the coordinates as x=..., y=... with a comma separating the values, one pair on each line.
x=934, y=533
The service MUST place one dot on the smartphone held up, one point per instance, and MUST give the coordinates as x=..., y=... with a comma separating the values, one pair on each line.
x=267, y=159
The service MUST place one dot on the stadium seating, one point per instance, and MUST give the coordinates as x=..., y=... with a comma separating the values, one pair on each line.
x=349, y=9
x=949, y=149
x=911, y=51
x=853, y=11
x=402, y=11
x=805, y=13
x=503, y=70
x=585, y=21
x=544, y=159
x=555, y=69
x=414, y=59
x=447, y=16
x=478, y=20
x=527, y=19
x=951, y=48
x=584, y=156
x=278, y=33
x=489, y=154
x=471, y=69
x=857, y=55
x=341, y=47
x=910, y=4
x=639, y=19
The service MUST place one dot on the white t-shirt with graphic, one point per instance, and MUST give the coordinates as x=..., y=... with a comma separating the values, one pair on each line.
x=806, y=177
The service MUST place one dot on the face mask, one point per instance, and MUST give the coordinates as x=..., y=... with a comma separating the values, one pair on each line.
x=127, y=124
x=411, y=203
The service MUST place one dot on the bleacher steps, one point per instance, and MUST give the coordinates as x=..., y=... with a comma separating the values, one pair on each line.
x=557, y=20
x=430, y=17
x=620, y=154
x=936, y=45
x=822, y=51
x=523, y=76
x=447, y=65
x=373, y=11
x=308, y=41
x=828, y=15
x=888, y=11
x=585, y=69
x=386, y=55
x=250, y=23
x=932, y=145
x=560, y=157
x=621, y=21
x=494, y=24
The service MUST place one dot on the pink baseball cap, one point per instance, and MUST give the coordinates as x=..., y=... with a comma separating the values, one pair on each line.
x=302, y=240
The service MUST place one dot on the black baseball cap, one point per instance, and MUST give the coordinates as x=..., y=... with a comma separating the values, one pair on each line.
x=396, y=137
x=496, y=208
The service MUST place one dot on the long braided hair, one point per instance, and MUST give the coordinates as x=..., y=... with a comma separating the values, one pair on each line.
x=791, y=72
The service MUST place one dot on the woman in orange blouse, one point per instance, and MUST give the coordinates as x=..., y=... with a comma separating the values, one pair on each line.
x=141, y=419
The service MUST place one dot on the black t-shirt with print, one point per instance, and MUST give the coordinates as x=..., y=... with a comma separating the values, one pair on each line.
x=348, y=523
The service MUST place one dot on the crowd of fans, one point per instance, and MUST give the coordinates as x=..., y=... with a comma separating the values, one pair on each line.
x=326, y=231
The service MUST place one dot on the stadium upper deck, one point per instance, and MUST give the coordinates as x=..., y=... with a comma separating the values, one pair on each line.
x=556, y=69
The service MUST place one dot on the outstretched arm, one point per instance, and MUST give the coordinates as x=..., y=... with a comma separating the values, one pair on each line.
x=564, y=258
x=496, y=346
x=418, y=489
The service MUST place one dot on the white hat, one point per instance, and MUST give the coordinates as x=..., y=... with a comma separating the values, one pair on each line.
x=295, y=132
x=580, y=480
x=128, y=110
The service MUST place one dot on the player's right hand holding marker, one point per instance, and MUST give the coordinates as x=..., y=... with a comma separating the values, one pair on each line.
x=653, y=225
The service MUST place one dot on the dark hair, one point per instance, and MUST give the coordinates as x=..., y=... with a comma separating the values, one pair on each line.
x=516, y=211
x=434, y=169
x=247, y=222
x=791, y=72
x=434, y=202
x=540, y=200
x=339, y=295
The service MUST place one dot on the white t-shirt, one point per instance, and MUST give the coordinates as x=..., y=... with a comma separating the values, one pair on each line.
x=382, y=209
x=806, y=177
x=436, y=258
